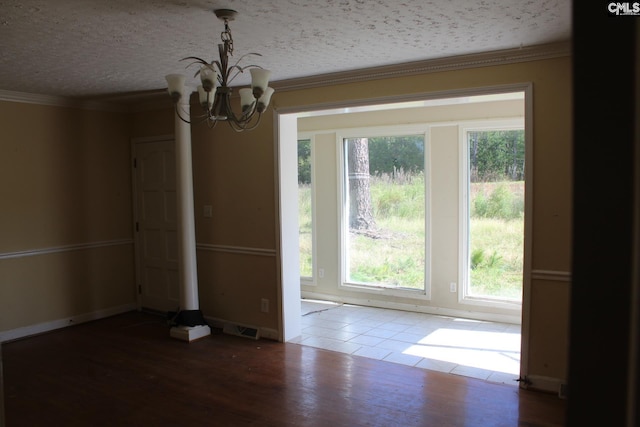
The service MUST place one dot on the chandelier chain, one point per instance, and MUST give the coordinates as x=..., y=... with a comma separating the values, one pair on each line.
x=227, y=38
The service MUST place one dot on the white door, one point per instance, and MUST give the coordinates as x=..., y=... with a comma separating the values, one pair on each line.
x=155, y=211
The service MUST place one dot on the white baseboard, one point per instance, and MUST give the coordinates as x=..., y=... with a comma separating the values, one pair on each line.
x=40, y=328
x=267, y=333
x=548, y=384
x=449, y=312
x=214, y=322
x=270, y=334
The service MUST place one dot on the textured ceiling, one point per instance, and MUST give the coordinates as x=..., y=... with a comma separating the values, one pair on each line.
x=96, y=47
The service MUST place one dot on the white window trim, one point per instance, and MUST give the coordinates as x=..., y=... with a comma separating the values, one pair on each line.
x=395, y=130
x=463, y=245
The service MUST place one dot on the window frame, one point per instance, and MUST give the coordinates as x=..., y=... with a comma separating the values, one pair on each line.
x=464, y=211
x=343, y=220
x=311, y=280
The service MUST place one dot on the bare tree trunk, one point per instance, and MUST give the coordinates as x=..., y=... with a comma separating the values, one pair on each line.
x=514, y=172
x=473, y=160
x=360, y=209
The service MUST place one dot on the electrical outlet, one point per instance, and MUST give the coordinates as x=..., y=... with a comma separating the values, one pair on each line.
x=207, y=211
x=452, y=287
x=321, y=272
x=264, y=305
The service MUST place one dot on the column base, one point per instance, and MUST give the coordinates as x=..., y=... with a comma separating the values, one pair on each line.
x=190, y=333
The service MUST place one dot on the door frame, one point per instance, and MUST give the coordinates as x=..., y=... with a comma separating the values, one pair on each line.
x=285, y=149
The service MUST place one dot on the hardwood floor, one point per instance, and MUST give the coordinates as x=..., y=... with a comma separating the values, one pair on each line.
x=127, y=371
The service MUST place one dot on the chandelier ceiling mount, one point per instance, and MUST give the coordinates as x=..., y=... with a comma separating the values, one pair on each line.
x=225, y=14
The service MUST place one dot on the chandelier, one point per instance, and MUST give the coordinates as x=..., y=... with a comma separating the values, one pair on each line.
x=214, y=93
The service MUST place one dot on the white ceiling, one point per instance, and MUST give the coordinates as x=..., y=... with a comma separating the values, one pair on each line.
x=85, y=48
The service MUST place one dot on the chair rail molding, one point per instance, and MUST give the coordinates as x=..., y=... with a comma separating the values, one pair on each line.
x=551, y=275
x=236, y=249
x=65, y=248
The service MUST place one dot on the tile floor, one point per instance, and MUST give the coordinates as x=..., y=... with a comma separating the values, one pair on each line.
x=484, y=350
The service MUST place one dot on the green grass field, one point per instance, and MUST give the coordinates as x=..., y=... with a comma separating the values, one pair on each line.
x=393, y=255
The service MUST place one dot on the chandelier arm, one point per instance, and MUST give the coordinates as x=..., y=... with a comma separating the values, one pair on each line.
x=249, y=123
x=234, y=76
x=256, y=123
x=248, y=66
x=244, y=117
x=247, y=116
x=217, y=64
x=244, y=56
x=240, y=70
x=237, y=126
x=211, y=123
x=207, y=117
x=196, y=60
x=177, y=108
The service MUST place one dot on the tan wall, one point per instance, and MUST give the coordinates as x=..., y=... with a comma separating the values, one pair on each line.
x=64, y=181
x=235, y=173
x=548, y=340
x=152, y=123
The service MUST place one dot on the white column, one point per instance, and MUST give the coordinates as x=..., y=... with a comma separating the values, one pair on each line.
x=185, y=216
x=186, y=230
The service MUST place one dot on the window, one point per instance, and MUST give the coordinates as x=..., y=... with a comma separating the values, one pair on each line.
x=384, y=212
x=305, y=209
x=494, y=213
x=367, y=267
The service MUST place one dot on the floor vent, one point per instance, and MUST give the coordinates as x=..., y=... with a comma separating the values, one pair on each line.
x=241, y=331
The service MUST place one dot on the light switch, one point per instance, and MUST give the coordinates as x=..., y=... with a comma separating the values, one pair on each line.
x=208, y=211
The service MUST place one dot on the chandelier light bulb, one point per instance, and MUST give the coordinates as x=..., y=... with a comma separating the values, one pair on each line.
x=208, y=77
x=175, y=86
x=246, y=99
x=206, y=98
x=263, y=102
x=259, y=80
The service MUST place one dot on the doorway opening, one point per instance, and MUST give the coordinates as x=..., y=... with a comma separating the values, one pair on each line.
x=442, y=295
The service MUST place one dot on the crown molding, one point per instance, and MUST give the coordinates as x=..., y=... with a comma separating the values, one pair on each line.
x=60, y=101
x=157, y=99
x=121, y=103
x=476, y=60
